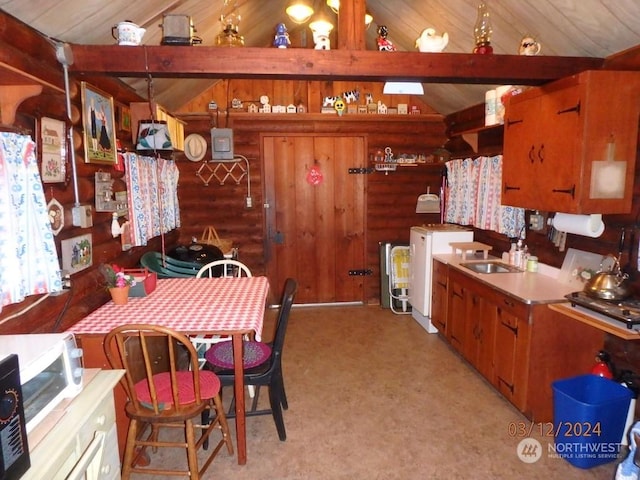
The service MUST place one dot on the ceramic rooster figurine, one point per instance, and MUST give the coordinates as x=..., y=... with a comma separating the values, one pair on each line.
x=429, y=41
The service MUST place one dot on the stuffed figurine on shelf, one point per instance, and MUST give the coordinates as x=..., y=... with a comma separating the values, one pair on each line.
x=281, y=39
x=384, y=45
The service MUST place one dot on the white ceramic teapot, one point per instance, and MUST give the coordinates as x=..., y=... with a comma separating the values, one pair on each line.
x=127, y=33
x=430, y=42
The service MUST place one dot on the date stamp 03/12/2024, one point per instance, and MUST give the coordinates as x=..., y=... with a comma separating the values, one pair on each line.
x=568, y=440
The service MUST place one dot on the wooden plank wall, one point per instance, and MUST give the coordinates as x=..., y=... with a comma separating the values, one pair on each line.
x=391, y=199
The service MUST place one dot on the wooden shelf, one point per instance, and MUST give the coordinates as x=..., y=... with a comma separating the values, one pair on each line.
x=310, y=64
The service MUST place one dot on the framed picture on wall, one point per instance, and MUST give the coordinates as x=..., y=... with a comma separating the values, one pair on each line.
x=99, y=126
x=53, y=150
x=77, y=253
x=124, y=118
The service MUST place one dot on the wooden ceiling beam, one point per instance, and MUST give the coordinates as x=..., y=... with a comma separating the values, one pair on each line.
x=308, y=64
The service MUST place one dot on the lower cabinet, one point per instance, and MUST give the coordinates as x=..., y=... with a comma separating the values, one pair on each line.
x=83, y=444
x=519, y=348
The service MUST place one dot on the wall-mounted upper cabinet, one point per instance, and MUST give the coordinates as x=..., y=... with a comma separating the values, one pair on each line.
x=570, y=146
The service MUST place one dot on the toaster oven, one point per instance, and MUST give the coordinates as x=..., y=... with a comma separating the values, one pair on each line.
x=50, y=368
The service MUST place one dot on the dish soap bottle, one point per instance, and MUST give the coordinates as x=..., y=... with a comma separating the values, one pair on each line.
x=517, y=255
x=512, y=254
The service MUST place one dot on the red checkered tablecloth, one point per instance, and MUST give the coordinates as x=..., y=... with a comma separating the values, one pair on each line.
x=189, y=305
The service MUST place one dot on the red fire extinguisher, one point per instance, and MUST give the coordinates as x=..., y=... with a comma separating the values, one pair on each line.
x=603, y=367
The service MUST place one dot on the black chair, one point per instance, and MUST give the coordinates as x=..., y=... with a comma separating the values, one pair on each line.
x=269, y=372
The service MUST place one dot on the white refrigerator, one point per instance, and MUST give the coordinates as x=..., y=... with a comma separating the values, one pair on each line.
x=424, y=242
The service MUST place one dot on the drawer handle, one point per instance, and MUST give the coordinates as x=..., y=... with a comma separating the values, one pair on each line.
x=88, y=457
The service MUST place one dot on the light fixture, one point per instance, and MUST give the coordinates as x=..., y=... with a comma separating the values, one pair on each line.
x=153, y=137
x=299, y=11
x=321, y=26
x=334, y=5
x=403, y=88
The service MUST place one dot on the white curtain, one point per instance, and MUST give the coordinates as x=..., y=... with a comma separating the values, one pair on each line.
x=28, y=259
x=152, y=185
x=474, y=195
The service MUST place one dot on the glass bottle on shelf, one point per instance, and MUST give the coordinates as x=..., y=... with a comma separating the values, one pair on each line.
x=482, y=30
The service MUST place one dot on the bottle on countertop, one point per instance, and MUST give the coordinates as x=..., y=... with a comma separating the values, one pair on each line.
x=512, y=254
x=517, y=255
x=524, y=257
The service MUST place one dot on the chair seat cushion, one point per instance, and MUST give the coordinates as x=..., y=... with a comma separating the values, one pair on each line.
x=209, y=387
x=221, y=354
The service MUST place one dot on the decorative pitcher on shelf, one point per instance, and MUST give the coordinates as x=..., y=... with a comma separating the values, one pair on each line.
x=127, y=33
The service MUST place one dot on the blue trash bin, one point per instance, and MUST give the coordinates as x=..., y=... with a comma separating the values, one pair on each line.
x=589, y=416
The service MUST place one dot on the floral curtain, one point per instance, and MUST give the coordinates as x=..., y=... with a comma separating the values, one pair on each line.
x=28, y=259
x=152, y=184
x=474, y=196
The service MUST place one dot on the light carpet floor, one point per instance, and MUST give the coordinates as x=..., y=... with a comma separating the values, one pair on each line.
x=373, y=396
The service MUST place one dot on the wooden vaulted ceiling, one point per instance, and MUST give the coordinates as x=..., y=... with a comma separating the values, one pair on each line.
x=590, y=29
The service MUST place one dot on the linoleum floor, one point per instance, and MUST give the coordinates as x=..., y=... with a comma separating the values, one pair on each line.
x=373, y=396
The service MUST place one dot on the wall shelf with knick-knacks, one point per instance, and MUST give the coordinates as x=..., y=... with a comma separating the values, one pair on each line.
x=106, y=199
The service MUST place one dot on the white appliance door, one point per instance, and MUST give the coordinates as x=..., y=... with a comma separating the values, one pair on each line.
x=424, y=242
x=420, y=257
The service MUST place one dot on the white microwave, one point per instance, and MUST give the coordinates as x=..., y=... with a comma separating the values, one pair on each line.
x=50, y=366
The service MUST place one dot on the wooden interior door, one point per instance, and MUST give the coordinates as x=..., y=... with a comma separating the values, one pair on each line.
x=315, y=223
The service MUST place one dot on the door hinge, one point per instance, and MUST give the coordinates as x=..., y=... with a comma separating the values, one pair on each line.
x=360, y=171
x=360, y=273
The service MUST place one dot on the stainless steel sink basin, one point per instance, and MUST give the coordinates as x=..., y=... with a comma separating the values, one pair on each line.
x=490, y=267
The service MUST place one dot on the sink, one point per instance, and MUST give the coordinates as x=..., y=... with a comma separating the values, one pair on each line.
x=490, y=267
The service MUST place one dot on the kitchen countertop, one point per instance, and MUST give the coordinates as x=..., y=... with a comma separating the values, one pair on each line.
x=541, y=287
x=528, y=287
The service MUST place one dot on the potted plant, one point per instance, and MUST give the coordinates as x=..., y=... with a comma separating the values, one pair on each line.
x=117, y=282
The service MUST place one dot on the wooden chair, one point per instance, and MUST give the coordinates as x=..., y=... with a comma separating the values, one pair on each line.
x=224, y=268
x=218, y=268
x=165, y=389
x=262, y=362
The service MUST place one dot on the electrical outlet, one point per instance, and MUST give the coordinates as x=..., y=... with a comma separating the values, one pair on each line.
x=249, y=202
x=82, y=216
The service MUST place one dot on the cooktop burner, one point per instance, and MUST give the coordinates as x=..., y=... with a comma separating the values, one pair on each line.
x=626, y=311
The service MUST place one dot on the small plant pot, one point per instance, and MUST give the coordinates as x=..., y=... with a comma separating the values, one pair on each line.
x=120, y=295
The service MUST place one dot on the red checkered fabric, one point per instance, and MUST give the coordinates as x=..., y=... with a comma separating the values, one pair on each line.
x=189, y=305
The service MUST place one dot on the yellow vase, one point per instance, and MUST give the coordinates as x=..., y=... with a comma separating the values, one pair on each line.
x=120, y=295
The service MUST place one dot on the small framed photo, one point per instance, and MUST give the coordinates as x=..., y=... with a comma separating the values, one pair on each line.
x=53, y=150
x=124, y=118
x=99, y=126
x=77, y=253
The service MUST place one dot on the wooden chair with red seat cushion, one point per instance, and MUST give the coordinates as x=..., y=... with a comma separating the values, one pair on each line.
x=165, y=389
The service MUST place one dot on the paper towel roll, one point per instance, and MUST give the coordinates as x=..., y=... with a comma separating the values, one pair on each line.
x=586, y=225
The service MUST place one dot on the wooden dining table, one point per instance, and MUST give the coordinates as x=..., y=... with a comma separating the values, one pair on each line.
x=192, y=306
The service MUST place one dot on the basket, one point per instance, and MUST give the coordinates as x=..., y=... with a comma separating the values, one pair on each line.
x=210, y=237
x=145, y=281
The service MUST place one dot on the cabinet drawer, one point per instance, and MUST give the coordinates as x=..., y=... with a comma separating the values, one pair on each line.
x=512, y=306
